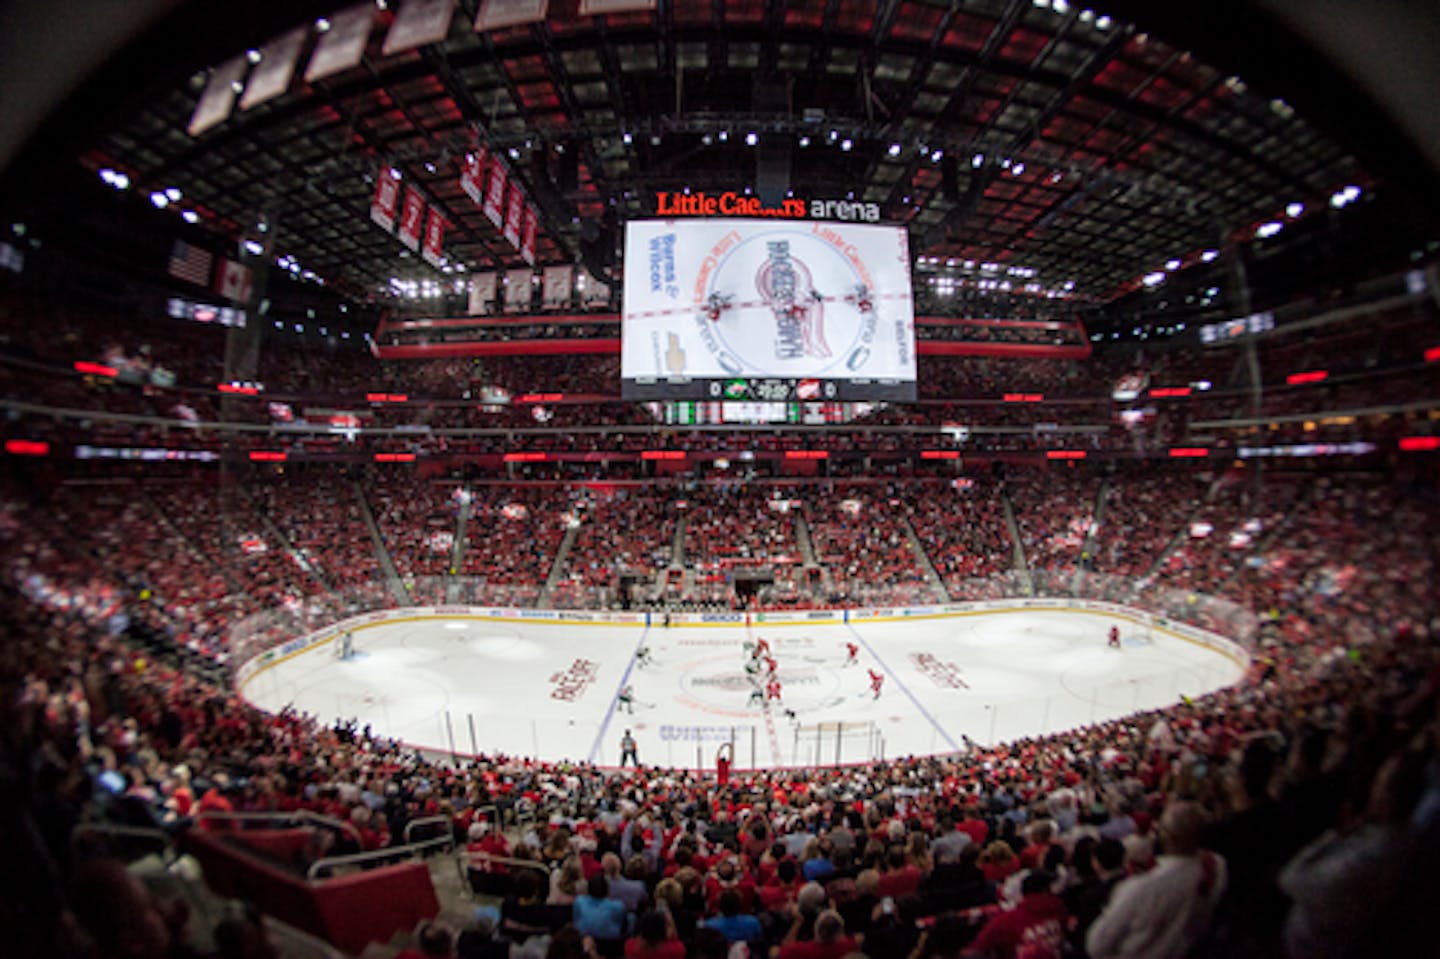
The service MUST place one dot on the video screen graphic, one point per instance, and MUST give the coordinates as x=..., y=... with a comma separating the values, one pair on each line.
x=760, y=310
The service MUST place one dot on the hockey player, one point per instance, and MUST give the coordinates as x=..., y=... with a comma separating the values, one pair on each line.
x=876, y=681
x=852, y=653
x=642, y=657
x=627, y=699
x=771, y=666
x=772, y=690
x=762, y=646
x=1114, y=637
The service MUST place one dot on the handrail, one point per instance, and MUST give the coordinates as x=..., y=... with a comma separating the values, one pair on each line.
x=407, y=851
x=469, y=856
x=302, y=815
x=428, y=821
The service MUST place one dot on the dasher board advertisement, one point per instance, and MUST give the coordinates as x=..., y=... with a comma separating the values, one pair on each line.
x=752, y=309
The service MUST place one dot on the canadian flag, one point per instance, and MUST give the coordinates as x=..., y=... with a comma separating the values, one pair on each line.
x=232, y=281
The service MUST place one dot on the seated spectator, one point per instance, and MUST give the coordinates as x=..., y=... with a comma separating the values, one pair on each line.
x=830, y=941
x=598, y=916
x=435, y=941
x=1036, y=924
x=1165, y=912
x=734, y=925
x=655, y=938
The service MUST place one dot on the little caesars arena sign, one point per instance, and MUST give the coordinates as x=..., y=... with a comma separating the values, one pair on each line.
x=739, y=204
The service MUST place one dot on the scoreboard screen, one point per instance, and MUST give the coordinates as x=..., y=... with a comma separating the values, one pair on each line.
x=755, y=310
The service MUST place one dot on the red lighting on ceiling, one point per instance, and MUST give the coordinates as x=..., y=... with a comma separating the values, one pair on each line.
x=540, y=397
x=1432, y=355
x=1419, y=444
x=394, y=457
x=1169, y=392
x=27, y=447
x=1065, y=454
x=807, y=454
x=662, y=454
x=386, y=397
x=268, y=456
x=1189, y=452
x=524, y=457
x=95, y=369
x=1310, y=376
x=1023, y=397
x=939, y=454
x=236, y=388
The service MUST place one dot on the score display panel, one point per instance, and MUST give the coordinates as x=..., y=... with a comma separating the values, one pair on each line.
x=757, y=310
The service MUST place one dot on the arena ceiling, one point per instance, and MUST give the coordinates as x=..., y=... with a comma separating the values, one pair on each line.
x=1039, y=135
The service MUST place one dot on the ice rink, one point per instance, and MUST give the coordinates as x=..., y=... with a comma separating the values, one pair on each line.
x=552, y=690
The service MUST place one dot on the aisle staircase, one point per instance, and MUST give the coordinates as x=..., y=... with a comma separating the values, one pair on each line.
x=382, y=552
x=1021, y=567
x=922, y=558
x=557, y=567
x=457, y=552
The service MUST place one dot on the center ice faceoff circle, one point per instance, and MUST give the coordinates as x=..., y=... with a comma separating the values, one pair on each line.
x=568, y=690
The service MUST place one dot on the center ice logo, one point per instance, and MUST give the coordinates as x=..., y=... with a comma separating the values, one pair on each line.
x=785, y=285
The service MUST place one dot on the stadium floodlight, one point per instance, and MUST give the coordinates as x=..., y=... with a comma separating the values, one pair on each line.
x=160, y=200
x=322, y=25
x=1172, y=264
x=253, y=248
x=846, y=144
x=1266, y=230
x=894, y=150
x=253, y=55
x=936, y=154
x=752, y=138
x=1060, y=6
x=172, y=194
x=978, y=160
x=1018, y=169
x=1102, y=23
x=1294, y=210
x=190, y=216
x=626, y=138
x=1209, y=256
x=724, y=135
x=804, y=141
x=1153, y=279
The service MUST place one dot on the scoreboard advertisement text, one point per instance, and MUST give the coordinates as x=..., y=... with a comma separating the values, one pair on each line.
x=765, y=310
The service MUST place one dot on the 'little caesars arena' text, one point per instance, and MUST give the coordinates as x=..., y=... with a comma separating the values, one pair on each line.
x=738, y=204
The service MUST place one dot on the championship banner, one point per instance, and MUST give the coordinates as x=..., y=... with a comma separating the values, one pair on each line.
x=343, y=45
x=482, y=294
x=514, y=214
x=595, y=8
x=218, y=100
x=498, y=14
x=593, y=292
x=272, y=75
x=410, y=217
x=417, y=23
x=495, y=191
x=517, y=290
x=434, y=237
x=472, y=175
x=555, y=288
x=528, y=231
x=387, y=198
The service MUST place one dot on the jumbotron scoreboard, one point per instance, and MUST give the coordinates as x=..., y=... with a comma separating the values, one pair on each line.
x=767, y=311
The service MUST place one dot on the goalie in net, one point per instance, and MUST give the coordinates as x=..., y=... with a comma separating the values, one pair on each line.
x=345, y=645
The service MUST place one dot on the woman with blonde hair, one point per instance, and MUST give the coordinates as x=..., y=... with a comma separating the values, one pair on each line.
x=998, y=861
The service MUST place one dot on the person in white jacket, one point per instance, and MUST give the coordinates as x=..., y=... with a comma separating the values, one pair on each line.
x=1166, y=912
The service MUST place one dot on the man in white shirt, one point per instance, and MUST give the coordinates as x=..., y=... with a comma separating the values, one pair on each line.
x=1166, y=912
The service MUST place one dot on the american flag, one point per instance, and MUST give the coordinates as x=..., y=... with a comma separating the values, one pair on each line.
x=190, y=263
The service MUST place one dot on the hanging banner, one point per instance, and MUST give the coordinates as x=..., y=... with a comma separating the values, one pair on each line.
x=482, y=294
x=218, y=100
x=593, y=293
x=410, y=216
x=514, y=214
x=495, y=191
x=343, y=45
x=417, y=23
x=387, y=197
x=555, y=288
x=518, y=285
x=472, y=175
x=272, y=75
x=434, y=237
x=528, y=231
x=595, y=8
x=498, y=14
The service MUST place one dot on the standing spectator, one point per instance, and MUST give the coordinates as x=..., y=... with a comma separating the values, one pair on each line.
x=597, y=915
x=1036, y=924
x=736, y=926
x=830, y=941
x=1165, y=912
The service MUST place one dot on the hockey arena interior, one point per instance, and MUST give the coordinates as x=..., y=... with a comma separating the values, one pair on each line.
x=660, y=478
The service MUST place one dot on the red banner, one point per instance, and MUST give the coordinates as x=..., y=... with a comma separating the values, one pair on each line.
x=387, y=197
x=410, y=216
x=514, y=214
x=434, y=237
x=495, y=191
x=527, y=235
x=472, y=175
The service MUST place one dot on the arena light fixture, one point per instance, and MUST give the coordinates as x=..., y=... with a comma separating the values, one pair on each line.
x=322, y=25
x=751, y=139
x=846, y=144
x=804, y=141
x=1102, y=23
x=1268, y=229
x=1209, y=256
x=1293, y=210
x=160, y=200
x=190, y=216
x=936, y=155
x=1153, y=279
x=978, y=160
x=1172, y=264
x=894, y=150
x=626, y=138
